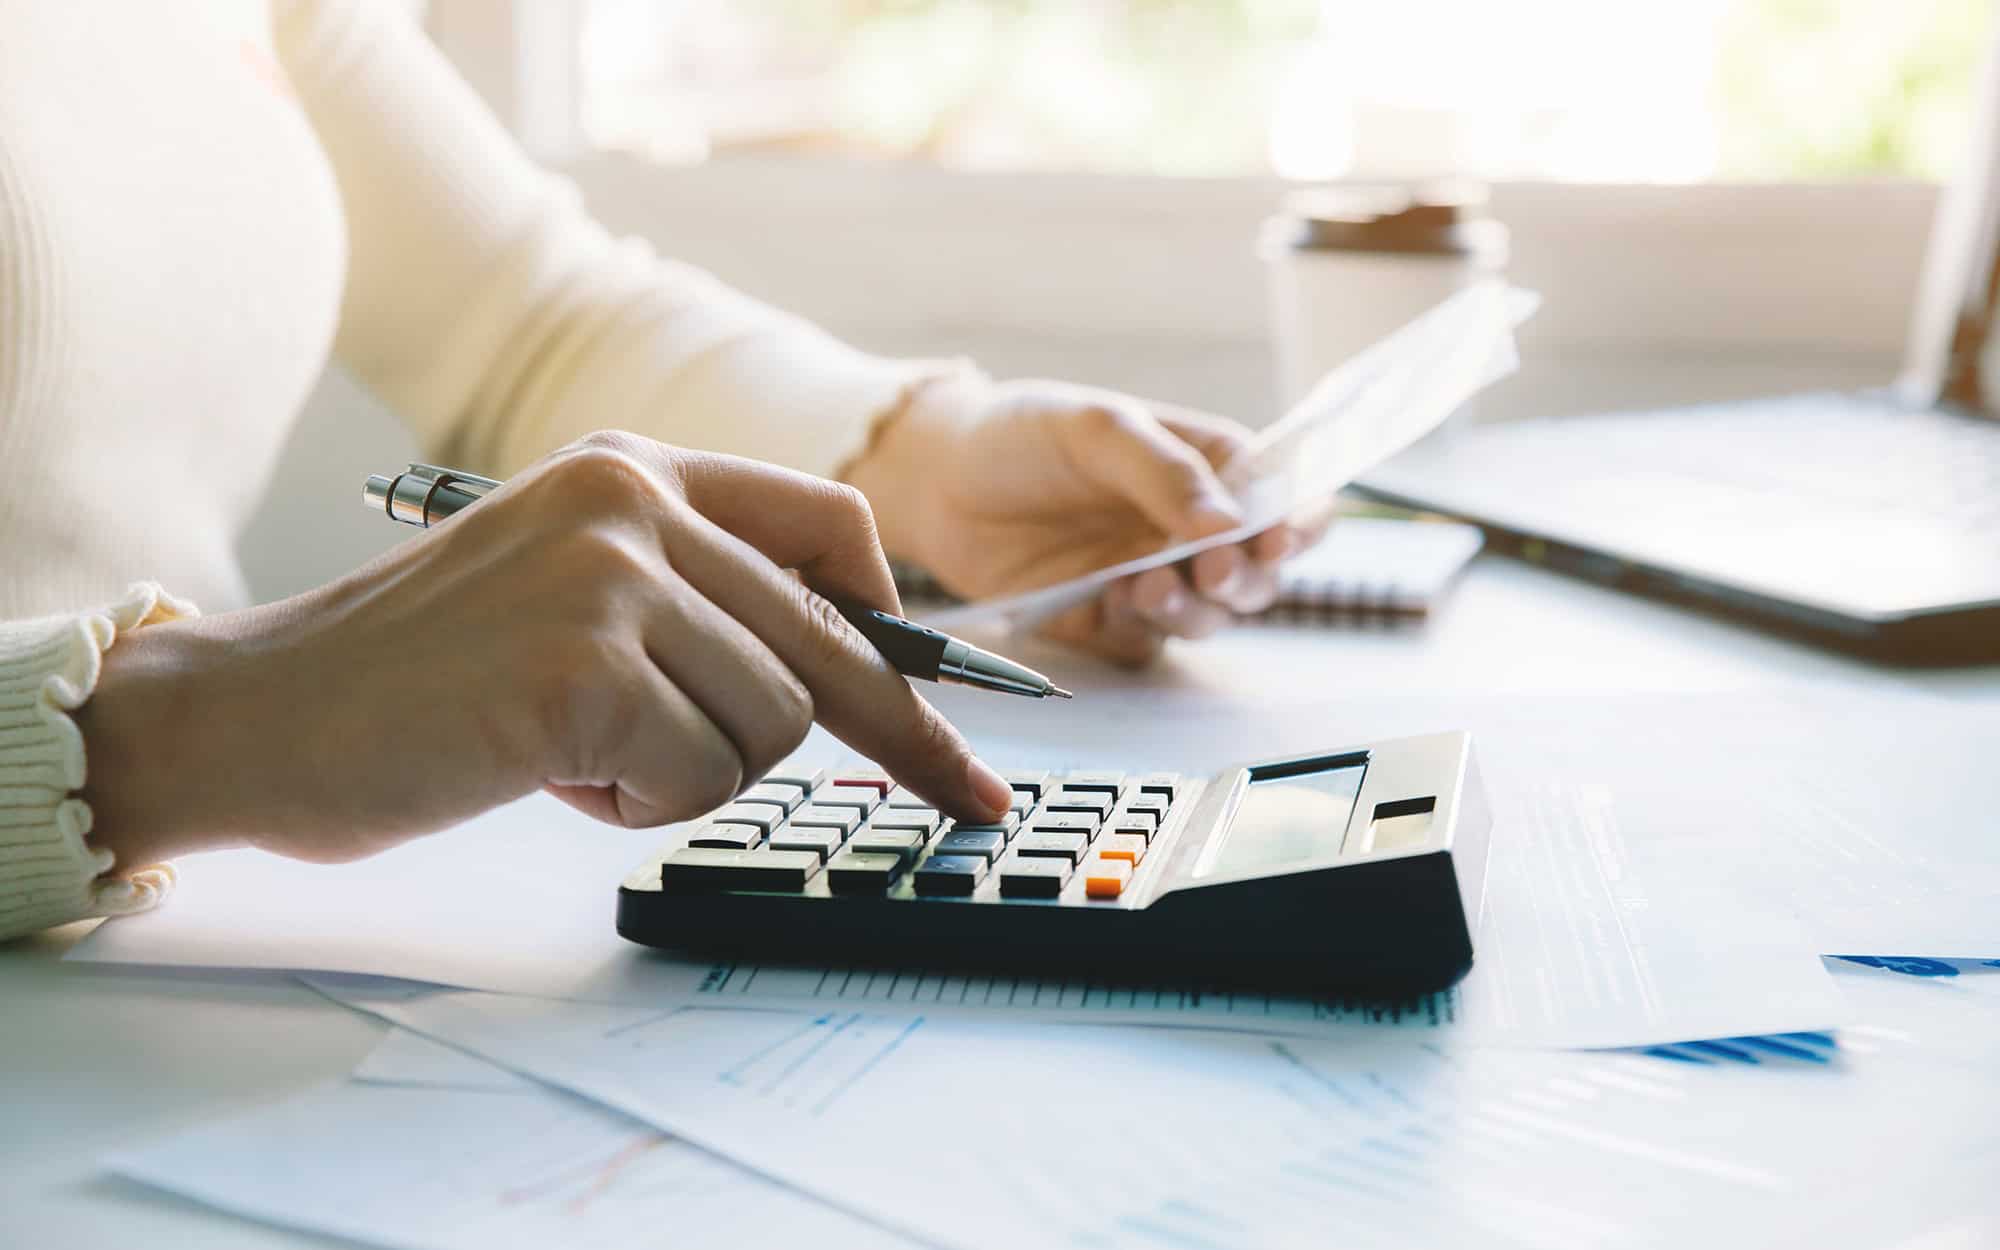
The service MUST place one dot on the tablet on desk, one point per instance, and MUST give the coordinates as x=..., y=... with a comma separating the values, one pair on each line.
x=1355, y=871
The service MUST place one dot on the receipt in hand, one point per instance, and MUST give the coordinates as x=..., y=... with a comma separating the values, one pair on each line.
x=1366, y=410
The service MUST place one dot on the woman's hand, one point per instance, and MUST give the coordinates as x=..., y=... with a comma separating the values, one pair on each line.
x=1004, y=487
x=614, y=625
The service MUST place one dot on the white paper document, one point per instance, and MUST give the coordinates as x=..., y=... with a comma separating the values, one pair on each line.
x=406, y=1058
x=1146, y=1137
x=1364, y=411
x=429, y=1149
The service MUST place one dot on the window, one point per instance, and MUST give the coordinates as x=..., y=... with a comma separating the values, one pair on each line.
x=1577, y=90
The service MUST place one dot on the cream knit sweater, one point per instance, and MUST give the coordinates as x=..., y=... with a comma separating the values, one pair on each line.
x=198, y=202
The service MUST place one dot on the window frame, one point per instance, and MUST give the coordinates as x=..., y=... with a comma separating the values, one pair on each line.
x=1729, y=267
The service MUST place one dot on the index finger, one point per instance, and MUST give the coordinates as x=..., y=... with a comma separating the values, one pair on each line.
x=822, y=528
x=857, y=694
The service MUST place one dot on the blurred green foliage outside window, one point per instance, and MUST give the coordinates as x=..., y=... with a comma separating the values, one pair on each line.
x=1587, y=90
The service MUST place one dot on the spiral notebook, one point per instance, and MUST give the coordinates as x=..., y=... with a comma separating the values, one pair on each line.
x=1365, y=569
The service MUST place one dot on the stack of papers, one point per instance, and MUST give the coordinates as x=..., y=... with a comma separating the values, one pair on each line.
x=1247, y=1140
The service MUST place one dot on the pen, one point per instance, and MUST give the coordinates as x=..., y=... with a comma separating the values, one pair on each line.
x=425, y=493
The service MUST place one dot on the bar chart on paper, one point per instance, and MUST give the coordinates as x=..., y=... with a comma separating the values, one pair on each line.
x=1247, y=1139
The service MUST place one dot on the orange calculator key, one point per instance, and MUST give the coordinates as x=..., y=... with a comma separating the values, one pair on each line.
x=1106, y=878
x=1130, y=847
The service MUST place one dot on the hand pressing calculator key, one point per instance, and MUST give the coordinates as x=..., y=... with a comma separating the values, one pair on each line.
x=1351, y=872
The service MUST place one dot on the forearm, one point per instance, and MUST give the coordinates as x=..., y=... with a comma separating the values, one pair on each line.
x=164, y=735
x=897, y=465
x=500, y=320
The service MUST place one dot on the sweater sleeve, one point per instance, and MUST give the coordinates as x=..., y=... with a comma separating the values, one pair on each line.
x=49, y=873
x=489, y=309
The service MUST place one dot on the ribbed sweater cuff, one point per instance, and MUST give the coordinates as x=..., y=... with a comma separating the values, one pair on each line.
x=49, y=874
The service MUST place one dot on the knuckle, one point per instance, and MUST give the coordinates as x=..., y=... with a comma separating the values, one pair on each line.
x=716, y=773
x=1187, y=468
x=851, y=501
x=583, y=701
x=773, y=743
x=830, y=640
x=852, y=508
x=607, y=477
x=1105, y=419
x=610, y=440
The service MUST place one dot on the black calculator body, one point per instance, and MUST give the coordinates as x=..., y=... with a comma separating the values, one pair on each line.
x=1354, y=872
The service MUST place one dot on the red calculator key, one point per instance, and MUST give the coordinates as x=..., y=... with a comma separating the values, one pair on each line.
x=874, y=779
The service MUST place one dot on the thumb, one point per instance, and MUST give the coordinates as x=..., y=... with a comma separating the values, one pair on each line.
x=1124, y=448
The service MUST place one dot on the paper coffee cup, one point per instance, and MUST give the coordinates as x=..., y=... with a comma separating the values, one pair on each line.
x=1349, y=265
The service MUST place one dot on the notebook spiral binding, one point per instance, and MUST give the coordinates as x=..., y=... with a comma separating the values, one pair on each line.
x=1299, y=602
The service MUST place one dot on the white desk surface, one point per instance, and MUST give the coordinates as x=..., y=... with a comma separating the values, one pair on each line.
x=91, y=1057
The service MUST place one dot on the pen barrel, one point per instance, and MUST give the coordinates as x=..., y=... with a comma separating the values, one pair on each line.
x=914, y=650
x=419, y=499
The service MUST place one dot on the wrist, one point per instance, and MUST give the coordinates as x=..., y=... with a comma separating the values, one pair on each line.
x=158, y=782
x=899, y=471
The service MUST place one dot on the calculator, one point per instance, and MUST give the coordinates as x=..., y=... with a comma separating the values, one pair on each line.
x=1356, y=872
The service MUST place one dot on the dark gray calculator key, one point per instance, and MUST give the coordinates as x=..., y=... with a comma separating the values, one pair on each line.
x=845, y=819
x=821, y=842
x=903, y=842
x=806, y=779
x=890, y=818
x=860, y=872
x=1064, y=822
x=1068, y=847
x=863, y=799
x=949, y=874
x=1137, y=814
x=783, y=797
x=1073, y=800
x=1166, y=785
x=1034, y=878
x=727, y=837
x=1007, y=824
x=1110, y=783
x=704, y=871
x=762, y=815
x=1033, y=781
x=983, y=842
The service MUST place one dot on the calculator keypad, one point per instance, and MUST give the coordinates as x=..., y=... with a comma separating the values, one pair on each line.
x=860, y=834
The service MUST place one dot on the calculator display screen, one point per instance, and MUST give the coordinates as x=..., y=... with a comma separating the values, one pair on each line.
x=1291, y=818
